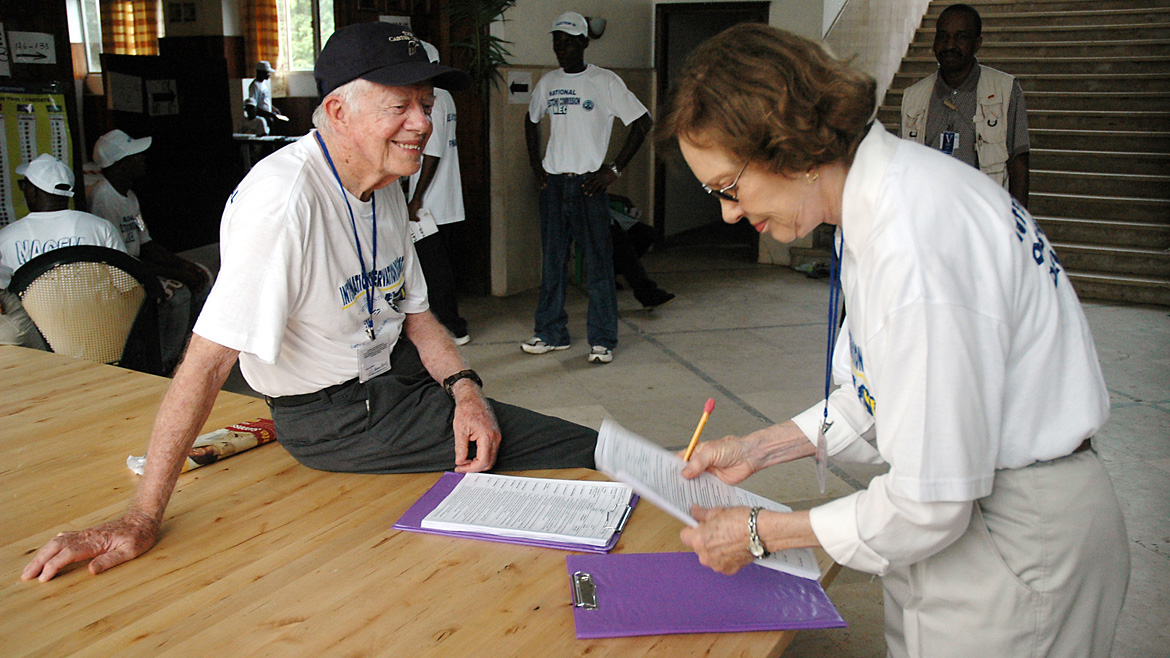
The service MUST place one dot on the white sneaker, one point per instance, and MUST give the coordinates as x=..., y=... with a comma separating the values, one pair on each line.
x=535, y=345
x=462, y=340
x=600, y=354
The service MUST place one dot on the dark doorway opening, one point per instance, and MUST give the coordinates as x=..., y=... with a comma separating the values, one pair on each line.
x=684, y=215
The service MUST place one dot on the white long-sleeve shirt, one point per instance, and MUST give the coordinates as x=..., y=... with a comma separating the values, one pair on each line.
x=967, y=352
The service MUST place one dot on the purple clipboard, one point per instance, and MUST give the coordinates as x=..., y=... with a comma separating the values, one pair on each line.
x=667, y=593
x=411, y=521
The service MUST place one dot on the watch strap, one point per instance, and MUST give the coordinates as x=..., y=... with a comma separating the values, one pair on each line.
x=462, y=374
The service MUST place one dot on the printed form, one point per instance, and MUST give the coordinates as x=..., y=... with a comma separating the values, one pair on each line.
x=656, y=474
x=536, y=508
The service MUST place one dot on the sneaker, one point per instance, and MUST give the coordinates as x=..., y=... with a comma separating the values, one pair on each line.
x=535, y=345
x=462, y=340
x=656, y=298
x=600, y=354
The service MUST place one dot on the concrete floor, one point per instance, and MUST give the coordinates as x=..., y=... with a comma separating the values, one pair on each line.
x=753, y=337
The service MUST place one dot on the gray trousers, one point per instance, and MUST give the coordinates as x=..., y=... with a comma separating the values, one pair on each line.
x=1041, y=571
x=401, y=422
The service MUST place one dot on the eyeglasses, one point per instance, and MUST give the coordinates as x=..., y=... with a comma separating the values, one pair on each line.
x=722, y=192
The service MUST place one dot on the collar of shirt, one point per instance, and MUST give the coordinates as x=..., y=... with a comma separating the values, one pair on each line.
x=943, y=90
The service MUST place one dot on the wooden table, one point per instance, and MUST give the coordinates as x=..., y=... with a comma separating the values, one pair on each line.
x=261, y=556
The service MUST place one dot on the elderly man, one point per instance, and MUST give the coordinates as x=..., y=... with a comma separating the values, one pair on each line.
x=321, y=297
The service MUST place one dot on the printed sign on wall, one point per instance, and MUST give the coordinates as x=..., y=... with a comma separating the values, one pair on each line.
x=33, y=124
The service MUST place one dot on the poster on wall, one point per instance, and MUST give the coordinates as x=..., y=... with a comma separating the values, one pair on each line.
x=34, y=123
x=5, y=69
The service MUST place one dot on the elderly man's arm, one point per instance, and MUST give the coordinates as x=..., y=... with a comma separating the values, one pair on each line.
x=182, y=413
x=474, y=420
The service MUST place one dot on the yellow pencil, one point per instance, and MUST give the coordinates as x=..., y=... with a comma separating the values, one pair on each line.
x=707, y=409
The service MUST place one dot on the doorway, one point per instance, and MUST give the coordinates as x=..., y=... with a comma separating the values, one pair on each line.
x=684, y=214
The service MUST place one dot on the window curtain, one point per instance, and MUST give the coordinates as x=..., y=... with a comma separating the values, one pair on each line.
x=261, y=33
x=129, y=27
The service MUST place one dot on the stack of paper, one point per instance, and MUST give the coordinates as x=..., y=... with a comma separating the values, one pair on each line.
x=656, y=474
x=564, y=514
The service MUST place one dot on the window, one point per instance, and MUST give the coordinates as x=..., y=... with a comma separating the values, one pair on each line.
x=122, y=27
x=91, y=34
x=305, y=26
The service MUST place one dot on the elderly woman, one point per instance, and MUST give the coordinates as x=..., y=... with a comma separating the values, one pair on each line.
x=996, y=529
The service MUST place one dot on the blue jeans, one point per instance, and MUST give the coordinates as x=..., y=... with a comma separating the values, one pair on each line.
x=566, y=212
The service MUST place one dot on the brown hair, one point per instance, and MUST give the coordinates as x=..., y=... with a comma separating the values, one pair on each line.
x=771, y=97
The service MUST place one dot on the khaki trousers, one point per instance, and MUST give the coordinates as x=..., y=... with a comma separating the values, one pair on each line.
x=1041, y=571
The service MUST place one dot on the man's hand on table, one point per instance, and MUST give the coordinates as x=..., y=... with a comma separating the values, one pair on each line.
x=474, y=421
x=108, y=544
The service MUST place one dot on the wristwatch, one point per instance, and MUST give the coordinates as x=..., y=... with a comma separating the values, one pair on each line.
x=614, y=168
x=755, y=546
x=462, y=374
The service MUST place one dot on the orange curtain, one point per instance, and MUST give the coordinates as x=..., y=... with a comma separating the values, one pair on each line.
x=130, y=27
x=261, y=33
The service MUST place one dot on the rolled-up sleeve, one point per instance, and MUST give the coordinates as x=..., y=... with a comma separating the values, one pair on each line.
x=874, y=528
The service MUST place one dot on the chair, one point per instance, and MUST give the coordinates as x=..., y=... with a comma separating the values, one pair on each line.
x=93, y=303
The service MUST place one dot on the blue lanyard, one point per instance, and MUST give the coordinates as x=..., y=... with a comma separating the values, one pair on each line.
x=367, y=275
x=834, y=306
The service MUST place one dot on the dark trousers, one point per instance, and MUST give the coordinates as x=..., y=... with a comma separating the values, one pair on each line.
x=433, y=255
x=400, y=422
x=628, y=248
x=568, y=214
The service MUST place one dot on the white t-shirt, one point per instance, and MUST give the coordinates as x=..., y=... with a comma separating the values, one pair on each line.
x=260, y=91
x=38, y=232
x=444, y=196
x=968, y=351
x=290, y=294
x=581, y=107
x=121, y=211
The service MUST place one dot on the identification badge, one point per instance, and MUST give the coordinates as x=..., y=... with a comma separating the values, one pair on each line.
x=374, y=358
x=822, y=455
x=948, y=141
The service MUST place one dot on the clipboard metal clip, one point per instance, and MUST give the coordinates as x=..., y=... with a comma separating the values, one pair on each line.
x=584, y=591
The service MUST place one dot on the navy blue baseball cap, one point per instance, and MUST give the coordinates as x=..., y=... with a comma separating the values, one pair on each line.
x=384, y=53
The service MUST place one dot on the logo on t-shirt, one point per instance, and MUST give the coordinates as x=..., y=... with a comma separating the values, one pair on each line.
x=588, y=106
x=387, y=281
x=559, y=100
x=860, y=383
x=26, y=250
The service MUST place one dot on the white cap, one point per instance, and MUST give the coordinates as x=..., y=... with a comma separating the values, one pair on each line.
x=572, y=23
x=115, y=145
x=432, y=52
x=48, y=174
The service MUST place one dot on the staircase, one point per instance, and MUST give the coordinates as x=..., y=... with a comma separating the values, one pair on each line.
x=1096, y=81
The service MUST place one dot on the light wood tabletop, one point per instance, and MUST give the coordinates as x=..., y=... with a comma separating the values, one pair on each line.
x=260, y=556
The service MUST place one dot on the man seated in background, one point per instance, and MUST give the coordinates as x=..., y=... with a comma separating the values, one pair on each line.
x=253, y=124
x=631, y=240
x=123, y=162
x=47, y=186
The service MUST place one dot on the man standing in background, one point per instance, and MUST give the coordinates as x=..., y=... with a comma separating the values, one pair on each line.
x=437, y=189
x=967, y=110
x=581, y=101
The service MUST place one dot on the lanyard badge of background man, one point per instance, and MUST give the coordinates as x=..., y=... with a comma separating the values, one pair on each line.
x=375, y=356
